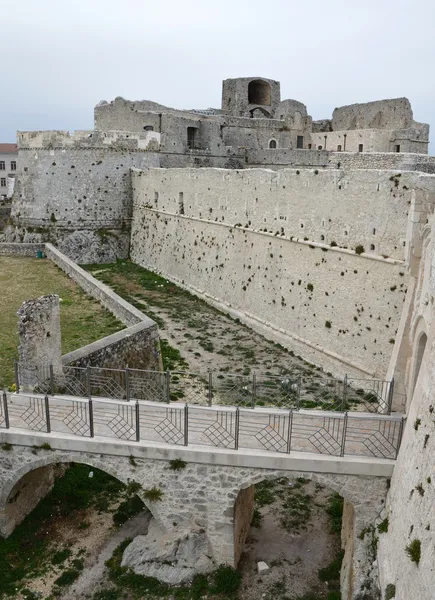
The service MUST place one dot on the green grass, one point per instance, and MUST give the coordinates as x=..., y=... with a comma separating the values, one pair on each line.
x=30, y=551
x=83, y=320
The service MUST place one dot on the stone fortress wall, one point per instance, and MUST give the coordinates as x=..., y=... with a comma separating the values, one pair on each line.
x=251, y=242
x=76, y=190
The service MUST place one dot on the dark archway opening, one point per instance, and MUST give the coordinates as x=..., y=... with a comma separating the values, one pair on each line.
x=294, y=526
x=259, y=92
x=63, y=534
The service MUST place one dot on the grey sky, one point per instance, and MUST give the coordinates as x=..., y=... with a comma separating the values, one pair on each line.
x=61, y=57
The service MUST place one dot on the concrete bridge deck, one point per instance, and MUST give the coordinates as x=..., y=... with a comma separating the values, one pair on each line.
x=264, y=434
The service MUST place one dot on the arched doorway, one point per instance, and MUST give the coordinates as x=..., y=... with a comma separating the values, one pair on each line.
x=259, y=92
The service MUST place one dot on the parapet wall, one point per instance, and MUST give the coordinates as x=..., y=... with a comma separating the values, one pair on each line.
x=235, y=238
x=281, y=157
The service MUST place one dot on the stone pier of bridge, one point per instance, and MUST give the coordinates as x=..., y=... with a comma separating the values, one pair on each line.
x=207, y=504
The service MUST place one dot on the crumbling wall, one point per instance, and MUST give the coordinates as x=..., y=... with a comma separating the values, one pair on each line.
x=395, y=113
x=40, y=340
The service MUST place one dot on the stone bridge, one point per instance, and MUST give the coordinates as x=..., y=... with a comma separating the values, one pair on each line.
x=211, y=498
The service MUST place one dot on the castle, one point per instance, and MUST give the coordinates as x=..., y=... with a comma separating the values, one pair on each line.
x=320, y=235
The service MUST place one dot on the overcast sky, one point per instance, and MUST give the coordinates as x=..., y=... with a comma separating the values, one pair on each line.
x=61, y=57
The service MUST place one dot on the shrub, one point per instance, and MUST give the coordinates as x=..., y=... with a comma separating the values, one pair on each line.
x=359, y=249
x=68, y=577
x=257, y=517
x=133, y=487
x=390, y=591
x=333, y=244
x=7, y=446
x=328, y=324
x=153, y=495
x=226, y=580
x=177, y=464
x=310, y=287
x=127, y=509
x=417, y=424
x=332, y=571
x=413, y=550
x=383, y=526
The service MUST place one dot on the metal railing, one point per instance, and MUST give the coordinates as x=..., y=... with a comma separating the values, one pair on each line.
x=275, y=430
x=290, y=390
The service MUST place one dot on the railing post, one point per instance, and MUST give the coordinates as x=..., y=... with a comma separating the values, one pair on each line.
x=137, y=422
x=343, y=439
x=88, y=381
x=210, y=388
x=51, y=380
x=5, y=409
x=17, y=376
x=289, y=433
x=254, y=389
x=167, y=386
x=390, y=396
x=127, y=384
x=186, y=425
x=91, y=418
x=344, y=399
x=47, y=413
x=237, y=427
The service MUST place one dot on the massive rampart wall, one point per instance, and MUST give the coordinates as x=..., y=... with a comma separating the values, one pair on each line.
x=235, y=238
x=76, y=190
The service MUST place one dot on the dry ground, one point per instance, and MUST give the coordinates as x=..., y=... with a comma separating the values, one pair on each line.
x=83, y=320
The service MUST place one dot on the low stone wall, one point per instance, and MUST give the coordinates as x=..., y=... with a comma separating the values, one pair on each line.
x=137, y=347
x=125, y=312
x=15, y=249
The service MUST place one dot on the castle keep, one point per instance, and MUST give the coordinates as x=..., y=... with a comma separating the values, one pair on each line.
x=317, y=234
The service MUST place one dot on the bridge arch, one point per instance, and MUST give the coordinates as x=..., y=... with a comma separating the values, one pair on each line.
x=44, y=468
x=364, y=500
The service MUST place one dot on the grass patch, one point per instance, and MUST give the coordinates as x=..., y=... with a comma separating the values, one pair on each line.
x=335, y=512
x=30, y=551
x=83, y=320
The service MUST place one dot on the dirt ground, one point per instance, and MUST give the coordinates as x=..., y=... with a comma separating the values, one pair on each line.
x=295, y=553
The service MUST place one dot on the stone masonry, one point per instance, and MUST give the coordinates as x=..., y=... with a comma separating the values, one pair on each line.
x=202, y=498
x=40, y=340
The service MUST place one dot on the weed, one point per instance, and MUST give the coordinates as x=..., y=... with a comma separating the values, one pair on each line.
x=390, y=591
x=67, y=578
x=257, y=518
x=332, y=571
x=413, y=550
x=60, y=556
x=359, y=249
x=417, y=424
x=171, y=357
x=6, y=446
x=383, y=526
x=133, y=487
x=153, y=495
x=177, y=464
x=335, y=512
x=128, y=509
x=132, y=461
x=328, y=324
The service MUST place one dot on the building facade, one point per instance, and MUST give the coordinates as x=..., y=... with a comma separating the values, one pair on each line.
x=8, y=169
